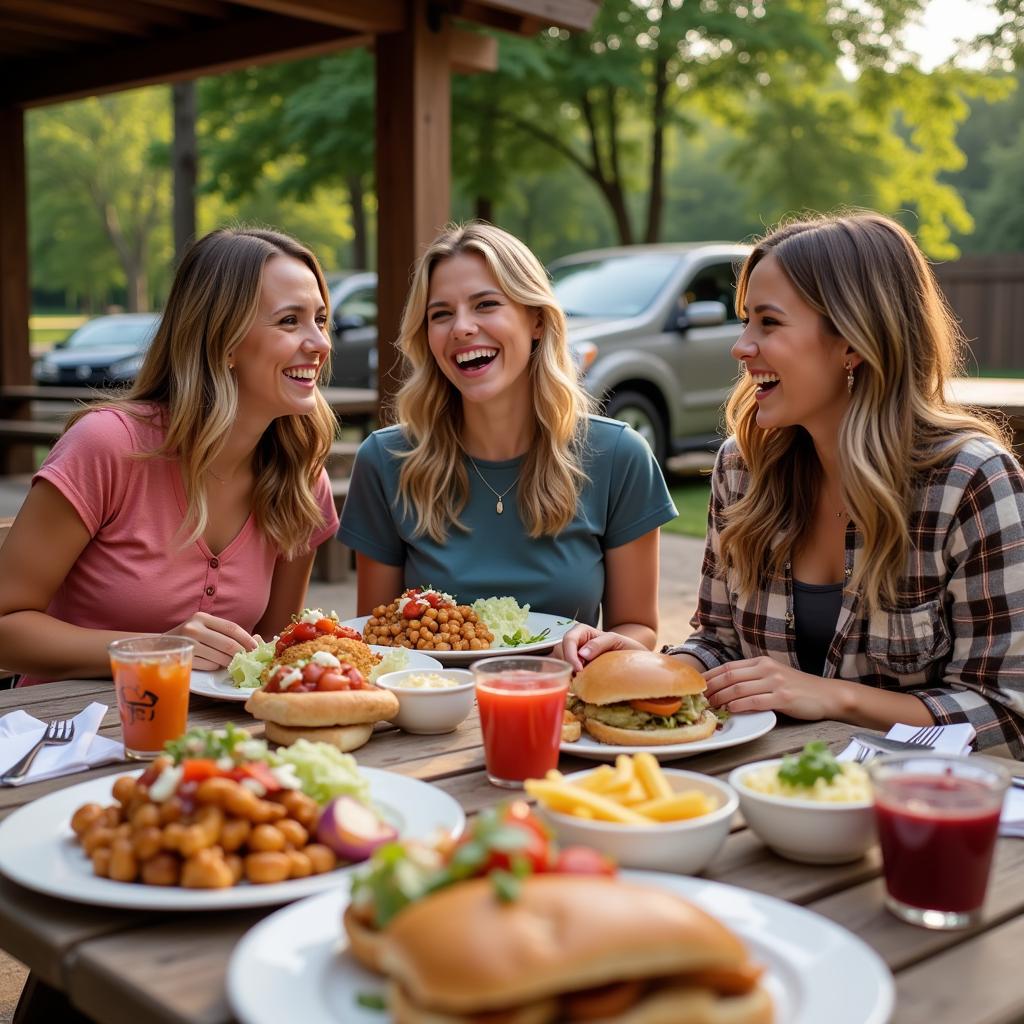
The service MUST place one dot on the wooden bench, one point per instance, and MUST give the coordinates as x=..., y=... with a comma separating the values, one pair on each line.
x=30, y=431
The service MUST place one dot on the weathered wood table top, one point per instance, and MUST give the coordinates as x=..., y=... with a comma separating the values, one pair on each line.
x=126, y=966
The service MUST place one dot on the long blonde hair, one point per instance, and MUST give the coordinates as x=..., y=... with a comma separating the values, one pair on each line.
x=433, y=479
x=866, y=277
x=212, y=304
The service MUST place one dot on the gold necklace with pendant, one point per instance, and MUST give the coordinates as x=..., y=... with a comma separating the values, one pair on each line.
x=500, y=506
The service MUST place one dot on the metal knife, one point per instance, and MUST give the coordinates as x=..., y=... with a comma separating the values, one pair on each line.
x=868, y=739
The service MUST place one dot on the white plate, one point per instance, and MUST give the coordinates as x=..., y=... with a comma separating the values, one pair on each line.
x=220, y=687
x=738, y=729
x=536, y=622
x=293, y=966
x=41, y=853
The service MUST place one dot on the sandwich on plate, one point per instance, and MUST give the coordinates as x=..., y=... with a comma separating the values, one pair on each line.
x=640, y=698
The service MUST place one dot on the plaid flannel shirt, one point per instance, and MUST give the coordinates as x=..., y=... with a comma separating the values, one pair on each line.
x=955, y=639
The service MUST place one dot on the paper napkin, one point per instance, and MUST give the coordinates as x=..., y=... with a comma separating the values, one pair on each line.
x=1011, y=821
x=953, y=739
x=19, y=732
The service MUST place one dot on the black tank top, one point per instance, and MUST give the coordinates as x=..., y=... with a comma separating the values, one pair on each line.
x=815, y=611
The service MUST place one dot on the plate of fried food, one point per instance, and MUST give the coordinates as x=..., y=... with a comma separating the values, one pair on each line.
x=220, y=822
x=567, y=938
x=428, y=621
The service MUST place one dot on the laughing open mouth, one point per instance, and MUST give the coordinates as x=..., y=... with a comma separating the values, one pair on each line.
x=765, y=381
x=475, y=359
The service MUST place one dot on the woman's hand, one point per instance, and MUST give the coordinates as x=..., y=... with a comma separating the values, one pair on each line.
x=762, y=684
x=217, y=640
x=584, y=643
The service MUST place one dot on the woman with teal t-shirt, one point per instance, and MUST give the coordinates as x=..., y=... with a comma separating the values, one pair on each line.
x=497, y=480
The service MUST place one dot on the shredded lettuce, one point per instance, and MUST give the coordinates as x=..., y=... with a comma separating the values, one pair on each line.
x=392, y=660
x=503, y=616
x=246, y=667
x=324, y=771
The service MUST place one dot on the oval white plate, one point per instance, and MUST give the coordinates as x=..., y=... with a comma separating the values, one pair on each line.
x=738, y=729
x=293, y=966
x=536, y=622
x=220, y=687
x=41, y=853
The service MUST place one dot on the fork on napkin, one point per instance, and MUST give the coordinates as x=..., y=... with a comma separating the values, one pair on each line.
x=952, y=739
x=19, y=732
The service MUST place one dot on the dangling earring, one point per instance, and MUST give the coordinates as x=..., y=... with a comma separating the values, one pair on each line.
x=849, y=378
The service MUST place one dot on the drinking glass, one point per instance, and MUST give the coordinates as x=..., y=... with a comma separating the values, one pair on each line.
x=938, y=816
x=521, y=703
x=151, y=680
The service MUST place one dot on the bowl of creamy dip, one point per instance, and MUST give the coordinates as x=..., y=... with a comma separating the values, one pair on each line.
x=430, y=701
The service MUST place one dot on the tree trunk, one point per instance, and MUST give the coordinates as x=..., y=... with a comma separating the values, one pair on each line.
x=360, y=239
x=656, y=193
x=483, y=208
x=183, y=165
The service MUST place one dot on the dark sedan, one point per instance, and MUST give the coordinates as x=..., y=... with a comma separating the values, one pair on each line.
x=105, y=352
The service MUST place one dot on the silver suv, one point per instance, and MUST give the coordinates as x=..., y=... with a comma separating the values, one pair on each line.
x=651, y=326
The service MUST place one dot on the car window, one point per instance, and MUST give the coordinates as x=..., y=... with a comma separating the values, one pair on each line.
x=714, y=283
x=362, y=302
x=614, y=286
x=97, y=333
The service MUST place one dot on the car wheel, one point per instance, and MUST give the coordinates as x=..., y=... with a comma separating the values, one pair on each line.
x=642, y=415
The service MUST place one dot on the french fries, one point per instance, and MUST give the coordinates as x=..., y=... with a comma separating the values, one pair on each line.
x=634, y=792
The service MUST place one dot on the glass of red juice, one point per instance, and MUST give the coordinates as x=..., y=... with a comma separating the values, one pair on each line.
x=937, y=820
x=521, y=702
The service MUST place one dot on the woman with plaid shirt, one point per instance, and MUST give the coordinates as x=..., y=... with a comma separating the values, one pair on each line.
x=865, y=549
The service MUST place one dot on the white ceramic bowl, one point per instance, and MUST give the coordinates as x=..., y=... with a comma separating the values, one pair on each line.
x=810, y=831
x=428, y=712
x=684, y=847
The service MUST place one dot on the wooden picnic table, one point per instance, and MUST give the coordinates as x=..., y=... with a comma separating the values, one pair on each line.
x=126, y=966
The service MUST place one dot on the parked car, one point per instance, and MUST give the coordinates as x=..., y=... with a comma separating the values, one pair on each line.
x=353, y=328
x=104, y=352
x=651, y=326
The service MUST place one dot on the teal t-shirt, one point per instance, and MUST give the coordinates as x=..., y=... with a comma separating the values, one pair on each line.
x=625, y=498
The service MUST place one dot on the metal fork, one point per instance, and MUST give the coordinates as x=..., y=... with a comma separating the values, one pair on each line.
x=927, y=735
x=864, y=753
x=56, y=733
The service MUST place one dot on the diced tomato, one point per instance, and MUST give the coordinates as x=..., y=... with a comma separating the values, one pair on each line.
x=657, y=705
x=413, y=610
x=332, y=680
x=520, y=812
x=536, y=848
x=260, y=772
x=325, y=625
x=347, y=633
x=196, y=769
x=304, y=631
x=312, y=672
x=434, y=600
x=582, y=860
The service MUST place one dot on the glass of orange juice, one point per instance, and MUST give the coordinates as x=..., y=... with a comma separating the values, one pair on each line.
x=151, y=680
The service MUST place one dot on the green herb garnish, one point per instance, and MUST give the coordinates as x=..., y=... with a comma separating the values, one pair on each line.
x=506, y=885
x=372, y=1000
x=517, y=639
x=814, y=762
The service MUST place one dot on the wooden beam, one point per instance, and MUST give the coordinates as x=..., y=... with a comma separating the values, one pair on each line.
x=574, y=14
x=15, y=362
x=46, y=28
x=470, y=52
x=202, y=8
x=354, y=15
x=259, y=39
x=77, y=14
x=413, y=164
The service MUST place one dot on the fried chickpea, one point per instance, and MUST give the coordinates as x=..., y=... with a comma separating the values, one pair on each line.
x=163, y=869
x=301, y=865
x=267, y=839
x=124, y=865
x=442, y=615
x=146, y=815
x=97, y=836
x=123, y=831
x=234, y=833
x=321, y=857
x=236, y=866
x=148, y=842
x=85, y=817
x=294, y=834
x=304, y=809
x=430, y=614
x=124, y=788
x=101, y=861
x=203, y=833
x=171, y=810
x=172, y=833
x=206, y=869
x=112, y=816
x=215, y=790
x=266, y=867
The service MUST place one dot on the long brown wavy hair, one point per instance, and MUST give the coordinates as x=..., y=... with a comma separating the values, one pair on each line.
x=212, y=304
x=866, y=277
x=433, y=479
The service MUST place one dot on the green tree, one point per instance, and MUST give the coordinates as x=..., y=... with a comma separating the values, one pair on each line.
x=99, y=190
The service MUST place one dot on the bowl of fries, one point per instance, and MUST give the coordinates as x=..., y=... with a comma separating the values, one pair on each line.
x=642, y=815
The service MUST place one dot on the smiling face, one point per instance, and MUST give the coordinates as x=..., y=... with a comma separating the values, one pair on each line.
x=277, y=362
x=786, y=348
x=480, y=338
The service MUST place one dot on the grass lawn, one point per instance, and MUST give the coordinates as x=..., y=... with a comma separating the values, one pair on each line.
x=691, y=498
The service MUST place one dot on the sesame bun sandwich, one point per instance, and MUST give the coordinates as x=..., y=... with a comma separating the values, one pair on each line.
x=640, y=698
x=567, y=948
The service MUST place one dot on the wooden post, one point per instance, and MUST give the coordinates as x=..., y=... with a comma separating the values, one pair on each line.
x=15, y=361
x=183, y=160
x=413, y=164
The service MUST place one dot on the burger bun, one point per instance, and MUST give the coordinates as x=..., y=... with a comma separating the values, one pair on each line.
x=631, y=675
x=344, y=737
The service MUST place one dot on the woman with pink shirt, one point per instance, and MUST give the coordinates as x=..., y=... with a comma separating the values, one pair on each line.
x=194, y=504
